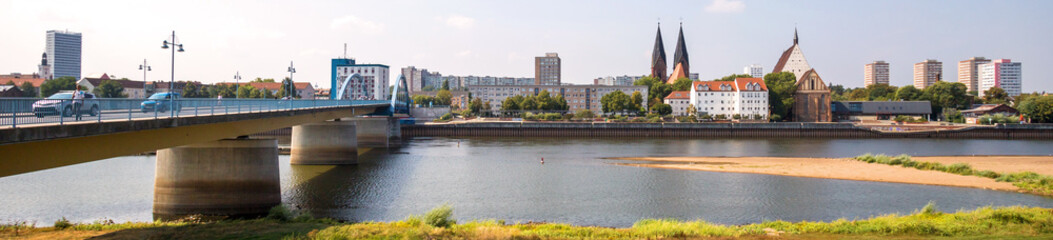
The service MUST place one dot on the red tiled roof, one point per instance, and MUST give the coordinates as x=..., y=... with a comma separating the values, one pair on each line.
x=679, y=95
x=783, y=59
x=678, y=73
x=124, y=83
x=18, y=81
x=712, y=85
x=741, y=82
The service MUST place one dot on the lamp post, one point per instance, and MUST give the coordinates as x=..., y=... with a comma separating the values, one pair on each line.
x=290, y=88
x=145, y=68
x=237, y=84
x=171, y=83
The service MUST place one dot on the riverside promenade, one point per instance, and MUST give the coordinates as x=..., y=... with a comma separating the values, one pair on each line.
x=723, y=130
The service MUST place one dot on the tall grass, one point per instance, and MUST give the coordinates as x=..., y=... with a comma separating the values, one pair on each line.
x=1027, y=181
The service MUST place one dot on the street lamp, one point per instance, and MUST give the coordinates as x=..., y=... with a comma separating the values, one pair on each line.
x=171, y=83
x=145, y=68
x=237, y=84
x=290, y=90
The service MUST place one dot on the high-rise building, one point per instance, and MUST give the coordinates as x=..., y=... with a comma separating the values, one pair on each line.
x=658, y=66
x=754, y=70
x=1002, y=73
x=420, y=79
x=792, y=60
x=927, y=73
x=875, y=73
x=64, y=54
x=372, y=83
x=968, y=73
x=547, y=70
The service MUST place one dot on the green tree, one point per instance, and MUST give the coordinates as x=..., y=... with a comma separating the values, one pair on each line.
x=193, y=90
x=858, y=94
x=881, y=92
x=266, y=94
x=732, y=77
x=637, y=100
x=53, y=86
x=445, y=85
x=947, y=95
x=1037, y=108
x=780, y=92
x=248, y=91
x=616, y=101
x=909, y=93
x=559, y=103
x=263, y=80
x=662, y=109
x=528, y=103
x=996, y=95
x=544, y=101
x=444, y=97
x=682, y=84
x=110, y=89
x=656, y=88
x=28, y=90
x=511, y=103
x=476, y=105
x=288, y=89
x=691, y=110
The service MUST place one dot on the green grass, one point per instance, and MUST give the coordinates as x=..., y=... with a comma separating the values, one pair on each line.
x=928, y=222
x=1027, y=181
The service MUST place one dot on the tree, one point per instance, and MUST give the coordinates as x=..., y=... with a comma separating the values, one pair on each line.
x=544, y=101
x=193, y=90
x=691, y=111
x=511, y=103
x=263, y=80
x=615, y=101
x=637, y=100
x=28, y=90
x=445, y=85
x=947, y=95
x=732, y=77
x=682, y=84
x=662, y=109
x=780, y=92
x=444, y=97
x=110, y=89
x=476, y=105
x=908, y=93
x=288, y=89
x=248, y=91
x=656, y=88
x=996, y=95
x=53, y=86
x=1038, y=108
x=528, y=103
x=859, y=94
x=880, y=92
x=266, y=94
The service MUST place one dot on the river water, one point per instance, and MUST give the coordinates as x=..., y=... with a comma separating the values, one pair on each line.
x=501, y=178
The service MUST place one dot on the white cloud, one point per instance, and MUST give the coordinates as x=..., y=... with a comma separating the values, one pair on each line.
x=726, y=6
x=356, y=24
x=460, y=22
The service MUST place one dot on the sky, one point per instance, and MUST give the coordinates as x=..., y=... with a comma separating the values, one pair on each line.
x=594, y=38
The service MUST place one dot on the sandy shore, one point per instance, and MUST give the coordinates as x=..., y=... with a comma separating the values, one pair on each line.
x=849, y=169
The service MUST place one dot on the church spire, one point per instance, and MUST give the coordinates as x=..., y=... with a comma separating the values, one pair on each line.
x=658, y=66
x=794, y=35
x=680, y=54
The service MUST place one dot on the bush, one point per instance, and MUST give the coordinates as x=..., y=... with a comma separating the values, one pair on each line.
x=988, y=174
x=930, y=209
x=440, y=216
x=529, y=116
x=706, y=117
x=960, y=169
x=721, y=117
x=736, y=116
x=62, y=224
x=280, y=213
x=446, y=117
x=585, y=114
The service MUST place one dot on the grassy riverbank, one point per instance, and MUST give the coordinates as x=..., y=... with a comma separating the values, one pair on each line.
x=928, y=222
x=1027, y=181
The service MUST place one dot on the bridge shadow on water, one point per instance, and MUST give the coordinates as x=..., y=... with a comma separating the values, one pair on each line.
x=343, y=192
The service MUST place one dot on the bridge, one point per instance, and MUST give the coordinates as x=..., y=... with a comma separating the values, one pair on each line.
x=206, y=164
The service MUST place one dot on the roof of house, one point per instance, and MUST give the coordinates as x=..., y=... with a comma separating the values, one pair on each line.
x=18, y=81
x=783, y=59
x=678, y=73
x=743, y=82
x=7, y=87
x=990, y=107
x=713, y=85
x=124, y=83
x=679, y=95
x=273, y=86
x=883, y=107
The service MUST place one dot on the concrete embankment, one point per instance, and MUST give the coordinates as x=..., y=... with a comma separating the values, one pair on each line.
x=726, y=130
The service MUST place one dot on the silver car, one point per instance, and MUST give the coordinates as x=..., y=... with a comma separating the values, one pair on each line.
x=63, y=103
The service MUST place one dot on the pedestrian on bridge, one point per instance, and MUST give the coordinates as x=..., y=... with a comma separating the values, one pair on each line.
x=78, y=100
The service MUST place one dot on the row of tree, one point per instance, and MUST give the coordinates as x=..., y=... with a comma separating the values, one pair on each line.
x=543, y=101
x=619, y=102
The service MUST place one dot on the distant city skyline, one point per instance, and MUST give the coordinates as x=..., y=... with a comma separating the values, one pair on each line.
x=483, y=38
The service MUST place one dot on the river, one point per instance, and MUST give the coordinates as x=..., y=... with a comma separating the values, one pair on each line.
x=501, y=178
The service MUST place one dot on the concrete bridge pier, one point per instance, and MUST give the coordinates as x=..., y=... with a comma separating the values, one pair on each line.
x=324, y=143
x=229, y=177
x=378, y=132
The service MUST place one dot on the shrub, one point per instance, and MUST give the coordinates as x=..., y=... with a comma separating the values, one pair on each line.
x=62, y=224
x=930, y=209
x=721, y=117
x=568, y=116
x=988, y=174
x=446, y=117
x=440, y=216
x=706, y=116
x=529, y=116
x=585, y=114
x=280, y=213
x=960, y=169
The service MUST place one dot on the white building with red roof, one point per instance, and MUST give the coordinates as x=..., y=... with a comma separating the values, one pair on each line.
x=679, y=101
x=747, y=97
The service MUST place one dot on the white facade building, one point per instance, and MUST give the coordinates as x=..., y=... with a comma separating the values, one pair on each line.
x=744, y=96
x=1002, y=73
x=680, y=101
x=372, y=86
x=754, y=70
x=625, y=80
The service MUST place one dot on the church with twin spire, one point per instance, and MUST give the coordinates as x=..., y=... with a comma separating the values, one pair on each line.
x=681, y=65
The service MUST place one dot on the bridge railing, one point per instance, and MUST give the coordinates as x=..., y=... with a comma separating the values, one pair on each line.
x=20, y=112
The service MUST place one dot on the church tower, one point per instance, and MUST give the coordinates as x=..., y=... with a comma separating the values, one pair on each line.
x=792, y=60
x=680, y=54
x=658, y=66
